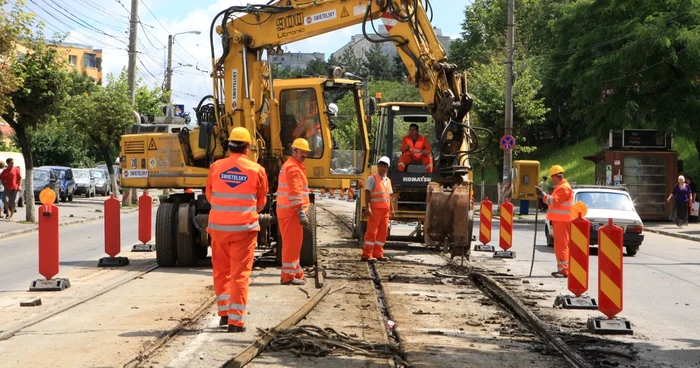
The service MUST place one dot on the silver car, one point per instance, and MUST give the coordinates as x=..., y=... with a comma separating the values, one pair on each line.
x=84, y=184
x=102, y=184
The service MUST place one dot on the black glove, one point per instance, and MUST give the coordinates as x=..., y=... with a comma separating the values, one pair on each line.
x=540, y=192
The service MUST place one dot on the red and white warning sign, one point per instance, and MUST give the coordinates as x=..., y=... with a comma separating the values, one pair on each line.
x=389, y=21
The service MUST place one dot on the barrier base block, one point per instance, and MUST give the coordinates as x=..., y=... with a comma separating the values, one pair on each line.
x=113, y=262
x=484, y=248
x=615, y=326
x=575, y=302
x=49, y=285
x=143, y=248
x=503, y=254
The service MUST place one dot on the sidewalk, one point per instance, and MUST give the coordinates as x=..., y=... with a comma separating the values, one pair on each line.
x=79, y=211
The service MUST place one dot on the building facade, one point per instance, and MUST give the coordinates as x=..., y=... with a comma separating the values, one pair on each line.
x=82, y=59
x=358, y=45
x=296, y=60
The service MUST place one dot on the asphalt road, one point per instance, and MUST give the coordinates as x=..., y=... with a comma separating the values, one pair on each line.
x=81, y=245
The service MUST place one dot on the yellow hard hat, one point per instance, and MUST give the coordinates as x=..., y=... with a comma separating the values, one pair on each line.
x=556, y=169
x=240, y=134
x=302, y=144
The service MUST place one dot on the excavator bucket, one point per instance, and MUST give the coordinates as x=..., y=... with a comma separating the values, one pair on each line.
x=449, y=219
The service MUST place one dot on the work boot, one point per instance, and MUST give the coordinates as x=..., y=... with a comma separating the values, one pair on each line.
x=294, y=282
x=232, y=328
x=368, y=259
x=223, y=321
x=559, y=275
x=383, y=259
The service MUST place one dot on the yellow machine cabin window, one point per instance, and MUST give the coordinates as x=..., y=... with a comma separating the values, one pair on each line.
x=300, y=119
x=347, y=132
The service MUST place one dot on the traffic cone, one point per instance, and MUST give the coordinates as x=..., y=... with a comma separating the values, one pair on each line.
x=351, y=195
x=330, y=193
x=342, y=194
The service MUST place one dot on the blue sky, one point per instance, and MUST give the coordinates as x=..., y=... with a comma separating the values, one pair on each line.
x=104, y=24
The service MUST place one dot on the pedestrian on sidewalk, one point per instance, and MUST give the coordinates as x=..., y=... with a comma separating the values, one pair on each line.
x=560, y=202
x=237, y=191
x=682, y=194
x=379, y=210
x=12, y=180
x=694, y=205
x=292, y=208
x=2, y=191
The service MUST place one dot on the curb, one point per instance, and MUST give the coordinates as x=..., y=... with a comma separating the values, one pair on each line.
x=672, y=234
x=35, y=228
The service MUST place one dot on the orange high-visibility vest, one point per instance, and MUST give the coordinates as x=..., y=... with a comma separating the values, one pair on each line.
x=292, y=190
x=560, y=202
x=380, y=197
x=234, y=192
x=417, y=150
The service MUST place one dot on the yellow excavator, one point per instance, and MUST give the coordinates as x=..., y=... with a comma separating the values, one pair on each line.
x=278, y=111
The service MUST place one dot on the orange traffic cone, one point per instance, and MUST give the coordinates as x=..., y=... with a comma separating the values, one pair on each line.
x=331, y=194
x=342, y=194
x=351, y=195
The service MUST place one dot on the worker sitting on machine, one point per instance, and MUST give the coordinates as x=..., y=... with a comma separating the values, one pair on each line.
x=415, y=149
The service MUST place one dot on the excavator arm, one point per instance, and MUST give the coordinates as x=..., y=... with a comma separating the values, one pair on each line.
x=243, y=85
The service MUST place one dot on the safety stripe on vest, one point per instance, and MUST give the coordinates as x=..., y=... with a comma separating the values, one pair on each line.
x=284, y=185
x=238, y=307
x=379, y=244
x=235, y=209
x=223, y=308
x=234, y=227
x=293, y=264
x=560, y=212
x=233, y=196
x=303, y=195
x=380, y=200
x=291, y=272
x=223, y=297
x=287, y=205
x=369, y=243
x=234, y=317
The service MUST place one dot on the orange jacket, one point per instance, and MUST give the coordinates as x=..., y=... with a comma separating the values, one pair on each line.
x=419, y=149
x=560, y=202
x=293, y=189
x=237, y=191
x=380, y=198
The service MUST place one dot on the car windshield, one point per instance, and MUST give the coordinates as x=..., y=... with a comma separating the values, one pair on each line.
x=605, y=201
x=79, y=174
x=97, y=174
x=40, y=175
x=60, y=173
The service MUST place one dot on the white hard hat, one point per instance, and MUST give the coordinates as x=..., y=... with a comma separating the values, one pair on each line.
x=333, y=109
x=385, y=160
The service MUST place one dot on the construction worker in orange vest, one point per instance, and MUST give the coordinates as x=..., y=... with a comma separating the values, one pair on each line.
x=415, y=148
x=378, y=209
x=237, y=191
x=559, y=213
x=292, y=207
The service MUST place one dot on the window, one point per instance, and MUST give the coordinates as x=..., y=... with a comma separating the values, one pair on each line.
x=73, y=60
x=90, y=61
x=605, y=201
x=299, y=117
x=347, y=134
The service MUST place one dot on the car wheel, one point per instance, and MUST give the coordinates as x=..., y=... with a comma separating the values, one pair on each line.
x=70, y=198
x=631, y=250
x=550, y=239
x=20, y=203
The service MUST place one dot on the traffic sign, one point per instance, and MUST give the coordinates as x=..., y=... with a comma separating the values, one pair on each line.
x=507, y=142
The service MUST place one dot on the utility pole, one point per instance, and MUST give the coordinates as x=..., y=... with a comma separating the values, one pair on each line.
x=131, y=71
x=169, y=69
x=508, y=128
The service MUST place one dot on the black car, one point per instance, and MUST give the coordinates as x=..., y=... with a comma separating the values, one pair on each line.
x=45, y=178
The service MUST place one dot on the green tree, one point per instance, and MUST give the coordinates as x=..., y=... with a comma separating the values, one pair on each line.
x=316, y=67
x=149, y=101
x=399, y=72
x=14, y=28
x=488, y=89
x=352, y=63
x=60, y=143
x=283, y=73
x=104, y=115
x=377, y=64
x=630, y=64
x=36, y=102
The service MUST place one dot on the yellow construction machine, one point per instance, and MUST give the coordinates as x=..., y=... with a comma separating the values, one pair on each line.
x=278, y=111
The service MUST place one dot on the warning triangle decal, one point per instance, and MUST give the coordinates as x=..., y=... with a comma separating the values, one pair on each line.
x=152, y=145
x=344, y=13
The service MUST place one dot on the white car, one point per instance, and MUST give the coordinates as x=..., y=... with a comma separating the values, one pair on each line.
x=604, y=203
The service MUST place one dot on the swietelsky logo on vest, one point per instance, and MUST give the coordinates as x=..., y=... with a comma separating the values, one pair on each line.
x=233, y=177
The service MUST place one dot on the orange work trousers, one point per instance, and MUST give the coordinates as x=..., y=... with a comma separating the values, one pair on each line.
x=407, y=158
x=232, y=261
x=562, y=234
x=292, y=233
x=375, y=236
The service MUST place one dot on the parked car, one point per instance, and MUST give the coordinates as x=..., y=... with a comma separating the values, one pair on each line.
x=45, y=178
x=102, y=183
x=117, y=172
x=84, y=183
x=65, y=176
x=19, y=163
x=605, y=202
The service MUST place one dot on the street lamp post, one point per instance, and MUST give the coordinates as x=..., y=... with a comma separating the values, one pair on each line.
x=169, y=71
